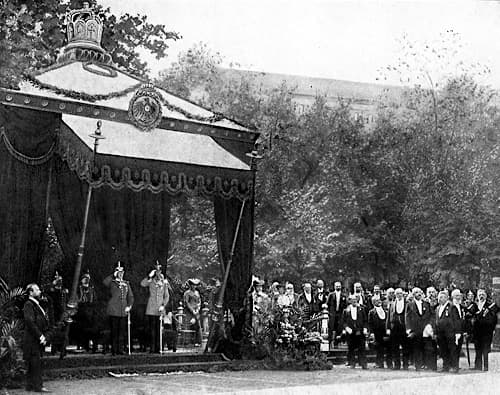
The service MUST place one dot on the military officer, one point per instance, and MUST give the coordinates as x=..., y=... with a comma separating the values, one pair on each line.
x=119, y=306
x=158, y=299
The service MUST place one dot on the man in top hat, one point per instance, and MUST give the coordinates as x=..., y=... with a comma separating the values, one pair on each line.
x=483, y=325
x=119, y=306
x=192, y=303
x=417, y=317
x=448, y=332
x=336, y=302
x=158, y=299
x=36, y=324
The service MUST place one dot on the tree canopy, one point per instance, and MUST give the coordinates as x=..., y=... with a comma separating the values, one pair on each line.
x=413, y=199
x=32, y=32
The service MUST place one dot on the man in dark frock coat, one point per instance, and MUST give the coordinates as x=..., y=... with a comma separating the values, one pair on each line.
x=448, y=332
x=417, y=317
x=483, y=325
x=36, y=325
x=355, y=324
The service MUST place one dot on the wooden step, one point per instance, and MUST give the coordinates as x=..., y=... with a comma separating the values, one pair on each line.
x=104, y=370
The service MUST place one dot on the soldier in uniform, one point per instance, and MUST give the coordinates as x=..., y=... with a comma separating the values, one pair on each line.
x=337, y=303
x=483, y=324
x=447, y=332
x=377, y=323
x=355, y=326
x=119, y=306
x=158, y=299
x=36, y=324
x=397, y=331
x=417, y=317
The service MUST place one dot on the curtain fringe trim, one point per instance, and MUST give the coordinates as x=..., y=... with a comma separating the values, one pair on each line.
x=174, y=185
x=27, y=160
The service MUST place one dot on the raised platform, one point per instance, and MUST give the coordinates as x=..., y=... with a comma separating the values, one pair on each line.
x=100, y=365
x=85, y=365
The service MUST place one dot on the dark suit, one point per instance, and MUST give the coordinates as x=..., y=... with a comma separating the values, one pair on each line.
x=121, y=297
x=306, y=307
x=462, y=325
x=377, y=327
x=36, y=324
x=447, y=326
x=335, y=315
x=415, y=323
x=483, y=325
x=319, y=301
x=356, y=339
x=398, y=339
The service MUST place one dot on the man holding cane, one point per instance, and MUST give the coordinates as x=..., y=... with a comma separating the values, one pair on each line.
x=119, y=306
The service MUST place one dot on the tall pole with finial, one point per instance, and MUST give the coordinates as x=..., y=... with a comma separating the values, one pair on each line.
x=73, y=298
x=218, y=316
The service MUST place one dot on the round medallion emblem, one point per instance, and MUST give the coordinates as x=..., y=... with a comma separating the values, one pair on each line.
x=144, y=109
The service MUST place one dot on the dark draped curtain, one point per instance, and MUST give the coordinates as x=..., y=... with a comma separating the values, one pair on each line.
x=26, y=143
x=124, y=225
x=226, y=217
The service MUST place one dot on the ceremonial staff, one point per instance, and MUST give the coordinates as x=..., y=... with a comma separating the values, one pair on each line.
x=72, y=305
x=218, y=315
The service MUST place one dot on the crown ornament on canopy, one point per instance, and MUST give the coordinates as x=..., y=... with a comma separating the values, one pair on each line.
x=84, y=29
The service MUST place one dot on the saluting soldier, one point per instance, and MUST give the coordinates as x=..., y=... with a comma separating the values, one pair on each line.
x=447, y=332
x=119, y=306
x=483, y=325
x=158, y=299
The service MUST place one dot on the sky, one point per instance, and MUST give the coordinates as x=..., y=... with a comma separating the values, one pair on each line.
x=348, y=40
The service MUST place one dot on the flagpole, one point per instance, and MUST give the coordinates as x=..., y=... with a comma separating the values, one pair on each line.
x=72, y=305
x=219, y=306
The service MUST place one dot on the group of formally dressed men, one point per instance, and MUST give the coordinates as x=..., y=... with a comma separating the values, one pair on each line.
x=404, y=327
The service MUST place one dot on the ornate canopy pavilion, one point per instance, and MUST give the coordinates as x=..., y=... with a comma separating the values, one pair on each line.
x=157, y=146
